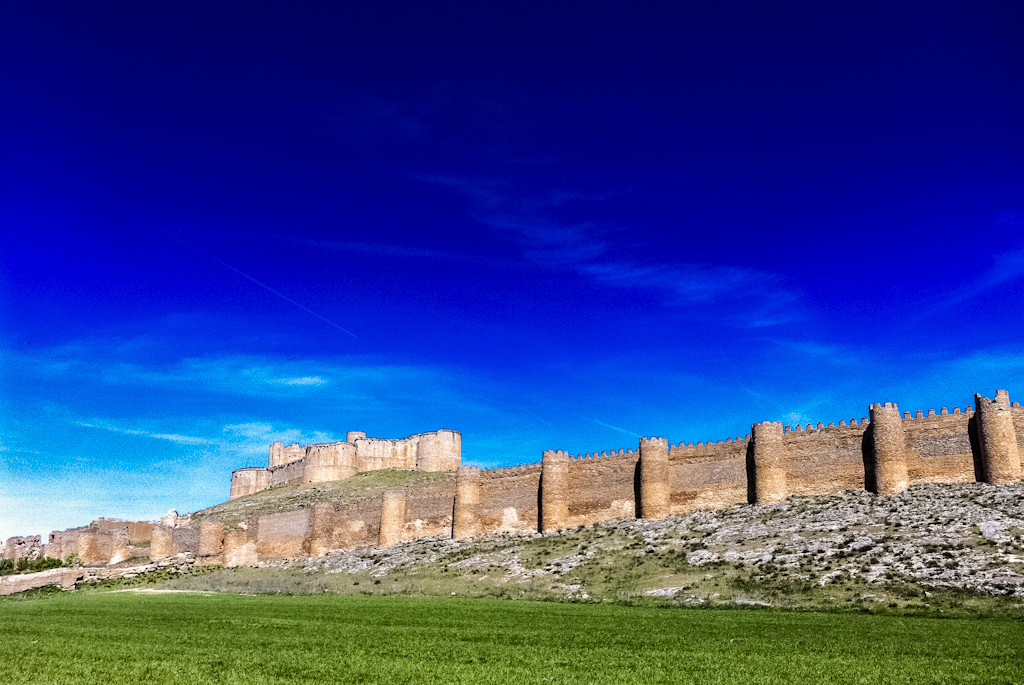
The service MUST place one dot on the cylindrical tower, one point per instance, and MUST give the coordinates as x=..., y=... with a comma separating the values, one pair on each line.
x=352, y=436
x=439, y=451
x=997, y=438
x=769, y=465
x=888, y=449
x=554, y=491
x=654, y=478
x=329, y=461
x=466, y=522
x=392, y=518
x=240, y=485
x=246, y=481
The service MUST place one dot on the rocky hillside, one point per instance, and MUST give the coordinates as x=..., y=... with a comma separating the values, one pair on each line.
x=933, y=548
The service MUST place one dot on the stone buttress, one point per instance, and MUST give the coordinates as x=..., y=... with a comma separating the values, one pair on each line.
x=392, y=518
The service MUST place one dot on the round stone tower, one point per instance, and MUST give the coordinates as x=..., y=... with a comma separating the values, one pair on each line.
x=466, y=523
x=889, y=449
x=997, y=438
x=654, y=478
x=329, y=461
x=769, y=465
x=439, y=451
x=554, y=491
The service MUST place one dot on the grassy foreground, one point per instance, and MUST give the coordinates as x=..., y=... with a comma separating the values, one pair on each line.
x=221, y=638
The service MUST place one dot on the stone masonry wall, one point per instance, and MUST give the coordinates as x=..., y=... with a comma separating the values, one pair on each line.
x=284, y=535
x=602, y=486
x=899, y=450
x=509, y=499
x=939, y=447
x=344, y=526
x=428, y=509
x=824, y=459
x=707, y=476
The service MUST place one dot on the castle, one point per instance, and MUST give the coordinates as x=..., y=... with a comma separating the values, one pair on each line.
x=437, y=451
x=885, y=453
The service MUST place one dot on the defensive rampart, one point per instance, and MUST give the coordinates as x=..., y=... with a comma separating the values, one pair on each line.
x=318, y=463
x=885, y=453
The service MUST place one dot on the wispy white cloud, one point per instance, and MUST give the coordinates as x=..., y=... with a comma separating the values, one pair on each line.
x=304, y=380
x=795, y=418
x=392, y=251
x=253, y=438
x=366, y=117
x=170, y=437
x=352, y=376
x=761, y=298
x=550, y=215
x=749, y=297
x=1006, y=269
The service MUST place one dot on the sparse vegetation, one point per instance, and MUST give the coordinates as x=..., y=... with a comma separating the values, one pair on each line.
x=26, y=565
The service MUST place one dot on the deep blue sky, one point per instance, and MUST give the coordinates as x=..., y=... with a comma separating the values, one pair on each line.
x=557, y=227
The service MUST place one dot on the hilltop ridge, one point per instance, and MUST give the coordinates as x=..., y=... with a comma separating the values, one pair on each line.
x=933, y=548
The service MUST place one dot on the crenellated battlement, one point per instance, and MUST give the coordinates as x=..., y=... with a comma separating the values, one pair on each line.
x=439, y=450
x=922, y=414
x=604, y=454
x=885, y=452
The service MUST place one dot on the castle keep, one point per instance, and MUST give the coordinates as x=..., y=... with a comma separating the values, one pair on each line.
x=885, y=453
x=437, y=451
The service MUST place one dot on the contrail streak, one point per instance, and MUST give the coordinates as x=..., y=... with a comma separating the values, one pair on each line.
x=615, y=428
x=242, y=274
x=536, y=417
x=31, y=158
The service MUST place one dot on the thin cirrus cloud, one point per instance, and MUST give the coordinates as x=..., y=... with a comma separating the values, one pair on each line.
x=246, y=439
x=466, y=123
x=1006, y=268
x=758, y=298
x=232, y=374
x=529, y=208
x=170, y=437
x=398, y=251
x=292, y=391
x=251, y=439
x=304, y=380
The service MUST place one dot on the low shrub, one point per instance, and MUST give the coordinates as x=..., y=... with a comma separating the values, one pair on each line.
x=10, y=567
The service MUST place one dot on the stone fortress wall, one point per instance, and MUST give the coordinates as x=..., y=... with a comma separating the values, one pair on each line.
x=439, y=450
x=884, y=453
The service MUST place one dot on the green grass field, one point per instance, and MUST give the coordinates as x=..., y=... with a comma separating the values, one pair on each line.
x=109, y=638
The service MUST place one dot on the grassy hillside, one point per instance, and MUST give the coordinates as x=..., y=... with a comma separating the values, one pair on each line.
x=288, y=497
x=933, y=550
x=113, y=638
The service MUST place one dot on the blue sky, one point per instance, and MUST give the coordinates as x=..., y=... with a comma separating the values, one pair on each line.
x=547, y=228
